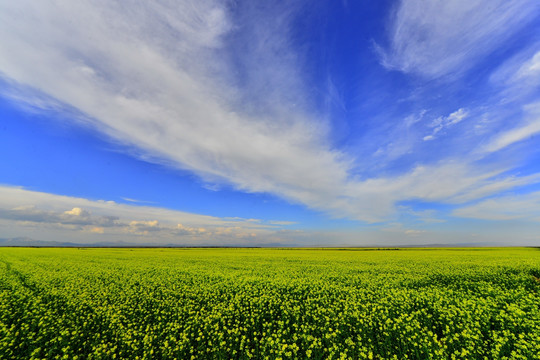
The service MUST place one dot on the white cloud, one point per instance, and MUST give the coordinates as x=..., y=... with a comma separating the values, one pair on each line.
x=523, y=206
x=436, y=37
x=429, y=216
x=151, y=224
x=519, y=76
x=284, y=223
x=530, y=128
x=24, y=208
x=191, y=230
x=136, y=201
x=455, y=117
x=523, y=69
x=97, y=230
x=414, y=118
x=530, y=69
x=77, y=211
x=143, y=225
x=157, y=78
x=512, y=136
x=444, y=122
x=495, y=186
x=400, y=139
x=450, y=182
x=161, y=78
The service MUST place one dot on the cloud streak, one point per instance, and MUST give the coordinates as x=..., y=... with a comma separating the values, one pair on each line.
x=521, y=206
x=165, y=80
x=174, y=104
x=530, y=128
x=436, y=38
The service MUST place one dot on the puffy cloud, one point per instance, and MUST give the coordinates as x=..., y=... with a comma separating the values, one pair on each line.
x=25, y=203
x=80, y=219
x=444, y=122
x=119, y=221
x=76, y=211
x=147, y=224
x=187, y=230
x=144, y=227
x=44, y=221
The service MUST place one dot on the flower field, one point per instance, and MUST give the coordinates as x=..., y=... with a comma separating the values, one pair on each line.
x=269, y=303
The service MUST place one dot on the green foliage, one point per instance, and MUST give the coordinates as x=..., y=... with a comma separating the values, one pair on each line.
x=269, y=304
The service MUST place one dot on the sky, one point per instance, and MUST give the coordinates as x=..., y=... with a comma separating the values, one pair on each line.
x=283, y=123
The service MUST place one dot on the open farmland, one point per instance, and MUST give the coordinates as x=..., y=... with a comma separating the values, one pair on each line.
x=269, y=303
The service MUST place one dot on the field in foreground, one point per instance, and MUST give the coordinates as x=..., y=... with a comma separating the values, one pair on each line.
x=269, y=303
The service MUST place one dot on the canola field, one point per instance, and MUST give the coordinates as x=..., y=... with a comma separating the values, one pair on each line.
x=269, y=303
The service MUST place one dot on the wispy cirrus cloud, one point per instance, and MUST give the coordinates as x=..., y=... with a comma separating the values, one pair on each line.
x=217, y=88
x=435, y=38
x=525, y=130
x=157, y=79
x=451, y=182
x=519, y=75
x=509, y=207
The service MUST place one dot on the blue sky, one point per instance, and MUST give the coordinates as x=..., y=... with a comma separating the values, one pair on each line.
x=289, y=122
